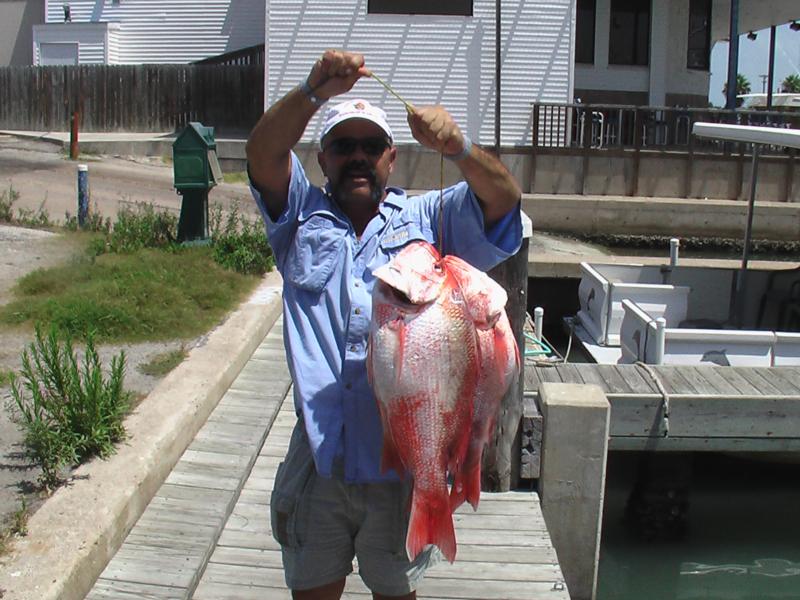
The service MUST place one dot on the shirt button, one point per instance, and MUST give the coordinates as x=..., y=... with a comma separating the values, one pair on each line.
x=357, y=284
x=353, y=348
x=348, y=386
x=358, y=311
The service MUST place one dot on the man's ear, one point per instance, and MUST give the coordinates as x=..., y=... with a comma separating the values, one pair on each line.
x=392, y=157
x=321, y=162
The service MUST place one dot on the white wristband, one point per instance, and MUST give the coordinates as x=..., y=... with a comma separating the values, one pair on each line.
x=464, y=153
x=309, y=92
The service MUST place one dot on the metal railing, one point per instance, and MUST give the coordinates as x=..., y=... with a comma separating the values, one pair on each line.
x=610, y=126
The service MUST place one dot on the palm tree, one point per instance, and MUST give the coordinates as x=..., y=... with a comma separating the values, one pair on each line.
x=742, y=87
x=791, y=85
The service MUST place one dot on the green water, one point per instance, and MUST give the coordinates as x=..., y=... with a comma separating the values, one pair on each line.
x=741, y=541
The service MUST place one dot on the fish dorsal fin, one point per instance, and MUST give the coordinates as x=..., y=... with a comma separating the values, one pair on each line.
x=485, y=298
x=416, y=272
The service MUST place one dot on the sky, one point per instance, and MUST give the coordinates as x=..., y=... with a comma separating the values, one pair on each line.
x=754, y=61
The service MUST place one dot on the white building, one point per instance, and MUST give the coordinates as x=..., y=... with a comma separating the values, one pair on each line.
x=432, y=58
x=17, y=18
x=126, y=32
x=657, y=52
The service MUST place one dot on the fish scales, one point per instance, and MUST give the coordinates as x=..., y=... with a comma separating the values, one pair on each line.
x=425, y=365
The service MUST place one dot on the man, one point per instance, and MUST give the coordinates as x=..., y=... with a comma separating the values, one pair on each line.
x=331, y=502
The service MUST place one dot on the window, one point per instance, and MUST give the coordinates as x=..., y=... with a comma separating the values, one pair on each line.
x=584, y=32
x=699, y=45
x=420, y=7
x=629, y=39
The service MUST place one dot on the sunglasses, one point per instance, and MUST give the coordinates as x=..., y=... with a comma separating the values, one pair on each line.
x=371, y=146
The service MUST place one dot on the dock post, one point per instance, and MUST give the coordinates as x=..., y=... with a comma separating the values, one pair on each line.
x=572, y=480
x=501, y=465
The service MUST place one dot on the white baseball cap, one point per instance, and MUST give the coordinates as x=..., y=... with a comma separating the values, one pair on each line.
x=355, y=109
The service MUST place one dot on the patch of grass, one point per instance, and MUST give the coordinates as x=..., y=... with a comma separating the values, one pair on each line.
x=163, y=363
x=27, y=217
x=148, y=295
x=236, y=177
x=6, y=377
x=69, y=411
x=15, y=526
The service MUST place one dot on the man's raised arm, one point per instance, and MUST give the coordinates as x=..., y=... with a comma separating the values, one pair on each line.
x=497, y=190
x=281, y=127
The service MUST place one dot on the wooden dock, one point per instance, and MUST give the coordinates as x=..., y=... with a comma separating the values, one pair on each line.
x=689, y=407
x=205, y=535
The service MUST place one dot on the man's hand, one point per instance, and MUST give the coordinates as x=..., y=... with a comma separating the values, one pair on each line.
x=434, y=128
x=336, y=72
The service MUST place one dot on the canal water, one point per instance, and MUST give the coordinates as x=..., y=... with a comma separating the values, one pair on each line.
x=701, y=526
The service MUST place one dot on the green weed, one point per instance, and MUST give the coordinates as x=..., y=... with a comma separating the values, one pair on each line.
x=163, y=363
x=6, y=377
x=145, y=296
x=15, y=526
x=238, y=243
x=142, y=227
x=68, y=411
x=94, y=222
x=7, y=200
x=236, y=177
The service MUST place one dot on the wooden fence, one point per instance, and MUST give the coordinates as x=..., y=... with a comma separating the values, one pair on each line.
x=146, y=98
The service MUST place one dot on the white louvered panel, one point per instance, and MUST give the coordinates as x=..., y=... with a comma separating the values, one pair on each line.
x=90, y=37
x=172, y=31
x=448, y=60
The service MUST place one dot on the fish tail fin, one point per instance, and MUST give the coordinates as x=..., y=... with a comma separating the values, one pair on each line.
x=431, y=523
x=466, y=486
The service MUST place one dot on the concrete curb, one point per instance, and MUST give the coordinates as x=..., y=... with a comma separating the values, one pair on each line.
x=76, y=532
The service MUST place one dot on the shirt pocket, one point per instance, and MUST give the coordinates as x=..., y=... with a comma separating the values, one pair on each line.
x=394, y=240
x=316, y=250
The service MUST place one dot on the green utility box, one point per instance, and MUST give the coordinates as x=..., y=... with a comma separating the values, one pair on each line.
x=196, y=170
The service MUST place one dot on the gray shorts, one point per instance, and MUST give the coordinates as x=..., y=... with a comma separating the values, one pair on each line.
x=323, y=523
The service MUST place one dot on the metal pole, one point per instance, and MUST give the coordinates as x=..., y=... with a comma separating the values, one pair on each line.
x=83, y=194
x=73, y=136
x=733, y=55
x=741, y=280
x=771, y=72
x=497, y=59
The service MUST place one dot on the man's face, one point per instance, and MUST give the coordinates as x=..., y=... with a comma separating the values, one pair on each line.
x=357, y=158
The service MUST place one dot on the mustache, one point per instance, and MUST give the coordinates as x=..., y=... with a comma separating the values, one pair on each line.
x=360, y=168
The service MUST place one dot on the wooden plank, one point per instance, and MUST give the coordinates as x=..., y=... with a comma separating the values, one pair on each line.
x=783, y=378
x=759, y=381
x=744, y=387
x=715, y=383
x=569, y=373
x=734, y=417
x=591, y=375
x=105, y=589
x=548, y=374
x=616, y=384
x=636, y=416
x=638, y=379
x=673, y=381
x=705, y=444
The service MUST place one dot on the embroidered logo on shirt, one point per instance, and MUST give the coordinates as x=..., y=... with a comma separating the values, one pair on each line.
x=400, y=235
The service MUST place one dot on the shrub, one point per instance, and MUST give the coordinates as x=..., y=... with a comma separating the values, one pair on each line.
x=7, y=200
x=240, y=244
x=69, y=413
x=137, y=228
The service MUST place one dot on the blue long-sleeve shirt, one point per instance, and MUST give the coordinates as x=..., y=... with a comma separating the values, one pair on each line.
x=327, y=301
